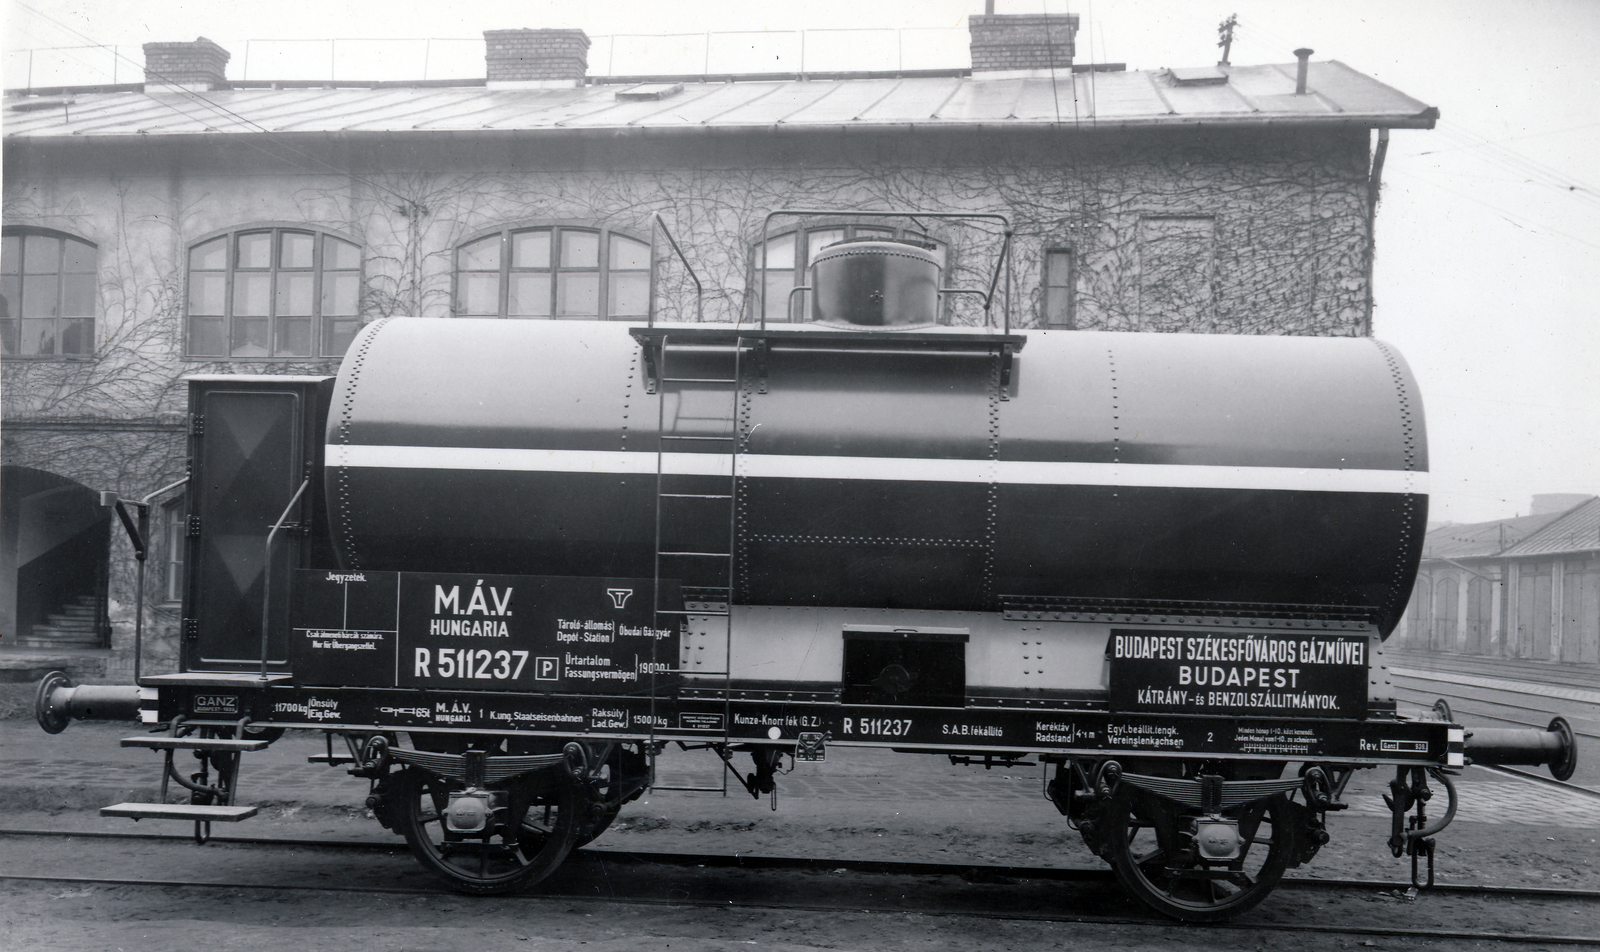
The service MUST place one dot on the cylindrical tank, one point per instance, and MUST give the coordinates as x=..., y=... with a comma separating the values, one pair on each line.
x=890, y=469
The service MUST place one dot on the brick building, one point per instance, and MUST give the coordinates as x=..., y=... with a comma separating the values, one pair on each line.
x=192, y=225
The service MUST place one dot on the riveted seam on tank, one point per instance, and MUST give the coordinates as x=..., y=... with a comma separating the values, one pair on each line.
x=813, y=539
x=986, y=593
x=356, y=363
x=1408, y=500
x=741, y=508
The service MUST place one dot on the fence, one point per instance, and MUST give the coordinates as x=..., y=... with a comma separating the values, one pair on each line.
x=357, y=59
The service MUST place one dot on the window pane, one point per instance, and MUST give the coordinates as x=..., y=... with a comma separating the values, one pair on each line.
x=77, y=336
x=1058, y=269
x=779, y=283
x=41, y=255
x=255, y=250
x=294, y=337
x=38, y=337
x=630, y=294
x=480, y=294
x=629, y=255
x=252, y=294
x=1057, y=312
x=339, y=255
x=77, y=295
x=820, y=239
x=531, y=249
x=250, y=337
x=8, y=336
x=176, y=526
x=938, y=248
x=294, y=293
x=77, y=257
x=206, y=338
x=341, y=293
x=11, y=296
x=580, y=249
x=529, y=295
x=337, y=335
x=297, y=250
x=481, y=255
x=39, y=295
x=207, y=293
x=780, y=254
x=10, y=254
x=865, y=232
x=578, y=295
x=211, y=256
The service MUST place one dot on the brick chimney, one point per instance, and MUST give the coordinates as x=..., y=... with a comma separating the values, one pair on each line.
x=534, y=59
x=1013, y=45
x=198, y=65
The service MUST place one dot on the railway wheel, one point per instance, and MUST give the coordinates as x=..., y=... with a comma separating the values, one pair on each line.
x=624, y=775
x=545, y=812
x=598, y=821
x=1155, y=854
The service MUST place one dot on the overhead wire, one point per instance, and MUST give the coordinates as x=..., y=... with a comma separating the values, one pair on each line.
x=1513, y=217
x=220, y=110
x=1253, y=34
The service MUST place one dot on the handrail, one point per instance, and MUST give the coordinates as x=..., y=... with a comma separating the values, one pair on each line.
x=699, y=292
x=766, y=225
x=139, y=534
x=266, y=574
x=138, y=609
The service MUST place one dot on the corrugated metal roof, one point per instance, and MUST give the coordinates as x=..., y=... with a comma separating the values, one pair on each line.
x=1088, y=100
x=1480, y=539
x=1576, y=530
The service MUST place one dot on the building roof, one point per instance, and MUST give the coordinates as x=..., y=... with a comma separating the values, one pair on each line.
x=1479, y=539
x=1090, y=100
x=1575, y=530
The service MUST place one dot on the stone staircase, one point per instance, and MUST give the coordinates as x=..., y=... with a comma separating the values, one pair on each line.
x=70, y=627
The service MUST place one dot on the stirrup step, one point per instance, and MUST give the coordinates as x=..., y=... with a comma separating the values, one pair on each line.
x=334, y=759
x=180, y=811
x=194, y=743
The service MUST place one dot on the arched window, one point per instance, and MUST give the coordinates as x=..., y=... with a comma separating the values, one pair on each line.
x=47, y=294
x=273, y=292
x=565, y=272
x=789, y=254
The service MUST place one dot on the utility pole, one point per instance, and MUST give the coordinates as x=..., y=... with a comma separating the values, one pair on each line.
x=1225, y=37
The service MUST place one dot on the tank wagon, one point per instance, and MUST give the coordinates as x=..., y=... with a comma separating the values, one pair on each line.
x=503, y=564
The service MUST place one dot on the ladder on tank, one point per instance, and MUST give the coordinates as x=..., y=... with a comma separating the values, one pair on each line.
x=696, y=508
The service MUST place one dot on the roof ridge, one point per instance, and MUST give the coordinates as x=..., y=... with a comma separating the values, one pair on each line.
x=1535, y=539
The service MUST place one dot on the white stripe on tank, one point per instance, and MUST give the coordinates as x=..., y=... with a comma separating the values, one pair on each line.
x=908, y=469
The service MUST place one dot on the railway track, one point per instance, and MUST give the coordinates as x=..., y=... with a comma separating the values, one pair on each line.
x=1509, y=705
x=634, y=878
x=870, y=906
x=979, y=872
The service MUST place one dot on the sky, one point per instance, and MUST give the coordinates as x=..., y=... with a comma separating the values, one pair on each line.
x=1488, y=267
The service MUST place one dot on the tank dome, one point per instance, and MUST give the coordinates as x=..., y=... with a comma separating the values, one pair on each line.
x=875, y=283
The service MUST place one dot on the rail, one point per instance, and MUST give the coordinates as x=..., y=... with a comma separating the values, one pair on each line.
x=994, y=278
x=139, y=534
x=658, y=223
x=266, y=574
